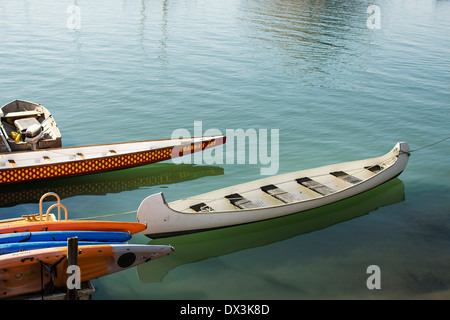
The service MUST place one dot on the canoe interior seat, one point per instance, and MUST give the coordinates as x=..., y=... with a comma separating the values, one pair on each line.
x=315, y=186
x=201, y=207
x=374, y=169
x=346, y=177
x=239, y=201
x=279, y=194
x=12, y=163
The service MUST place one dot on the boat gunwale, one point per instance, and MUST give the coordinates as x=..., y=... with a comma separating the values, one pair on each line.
x=383, y=157
x=19, y=167
x=111, y=144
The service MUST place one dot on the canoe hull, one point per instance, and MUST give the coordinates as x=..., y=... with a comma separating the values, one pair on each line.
x=22, y=272
x=165, y=219
x=18, y=167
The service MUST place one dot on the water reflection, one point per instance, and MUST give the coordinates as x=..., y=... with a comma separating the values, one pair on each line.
x=142, y=21
x=79, y=58
x=163, y=42
x=200, y=246
x=307, y=36
x=144, y=36
x=104, y=183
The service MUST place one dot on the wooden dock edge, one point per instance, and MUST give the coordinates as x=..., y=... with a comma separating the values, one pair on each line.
x=85, y=293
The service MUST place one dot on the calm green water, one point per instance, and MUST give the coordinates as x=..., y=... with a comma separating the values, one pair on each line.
x=335, y=89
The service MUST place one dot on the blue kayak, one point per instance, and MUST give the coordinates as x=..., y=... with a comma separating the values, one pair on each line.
x=101, y=236
x=26, y=246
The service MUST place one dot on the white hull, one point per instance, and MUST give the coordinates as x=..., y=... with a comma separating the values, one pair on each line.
x=215, y=209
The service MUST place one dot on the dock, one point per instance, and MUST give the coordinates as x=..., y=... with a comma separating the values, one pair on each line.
x=84, y=293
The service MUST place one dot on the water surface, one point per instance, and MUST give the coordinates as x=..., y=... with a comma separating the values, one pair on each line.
x=335, y=89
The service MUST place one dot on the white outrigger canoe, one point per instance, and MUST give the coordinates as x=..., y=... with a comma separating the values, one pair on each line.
x=30, y=148
x=270, y=197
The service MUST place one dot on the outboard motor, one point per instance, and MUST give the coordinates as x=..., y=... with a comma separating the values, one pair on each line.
x=31, y=131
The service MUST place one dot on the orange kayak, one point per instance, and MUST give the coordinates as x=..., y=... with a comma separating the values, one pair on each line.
x=72, y=225
x=31, y=271
x=48, y=222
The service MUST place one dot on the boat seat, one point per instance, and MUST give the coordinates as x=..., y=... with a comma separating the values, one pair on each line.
x=12, y=163
x=315, y=186
x=374, y=169
x=239, y=201
x=201, y=207
x=22, y=114
x=346, y=177
x=279, y=194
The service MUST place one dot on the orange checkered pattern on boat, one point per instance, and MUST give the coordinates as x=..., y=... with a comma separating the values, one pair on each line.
x=81, y=167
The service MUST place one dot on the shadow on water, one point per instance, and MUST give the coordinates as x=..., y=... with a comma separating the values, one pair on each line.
x=104, y=183
x=200, y=246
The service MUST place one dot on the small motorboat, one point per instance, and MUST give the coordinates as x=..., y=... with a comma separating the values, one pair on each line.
x=27, y=125
x=30, y=148
x=31, y=271
x=270, y=197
